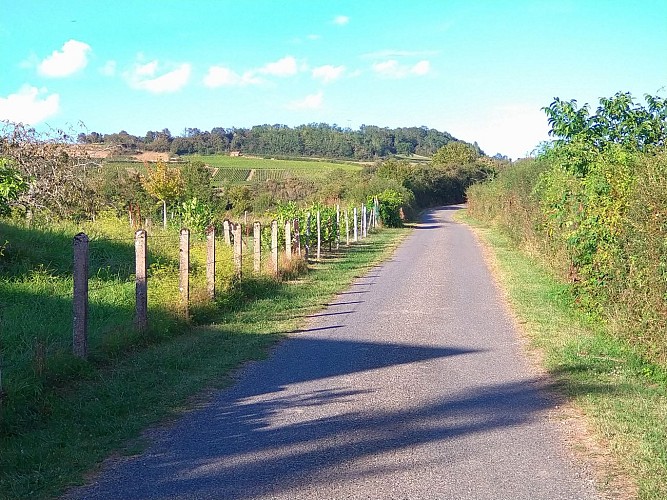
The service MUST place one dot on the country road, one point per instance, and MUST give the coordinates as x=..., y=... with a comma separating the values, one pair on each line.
x=412, y=384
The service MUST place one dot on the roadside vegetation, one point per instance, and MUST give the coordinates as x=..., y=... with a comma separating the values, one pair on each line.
x=591, y=209
x=59, y=414
x=66, y=415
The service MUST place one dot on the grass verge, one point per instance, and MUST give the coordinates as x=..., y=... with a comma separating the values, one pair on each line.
x=106, y=410
x=623, y=397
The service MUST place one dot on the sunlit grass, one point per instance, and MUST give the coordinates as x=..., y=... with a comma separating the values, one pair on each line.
x=62, y=415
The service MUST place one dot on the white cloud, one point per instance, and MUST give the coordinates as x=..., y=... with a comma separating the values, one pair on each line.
x=341, y=20
x=328, y=73
x=147, y=69
x=421, y=68
x=26, y=106
x=109, y=68
x=286, y=66
x=392, y=69
x=72, y=58
x=145, y=77
x=219, y=76
x=312, y=101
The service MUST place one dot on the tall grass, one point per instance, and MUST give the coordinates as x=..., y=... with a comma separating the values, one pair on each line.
x=61, y=415
x=36, y=304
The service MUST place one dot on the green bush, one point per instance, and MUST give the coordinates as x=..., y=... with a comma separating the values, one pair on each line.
x=594, y=206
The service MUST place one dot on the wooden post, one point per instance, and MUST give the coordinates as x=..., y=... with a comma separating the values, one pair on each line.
x=184, y=271
x=288, y=240
x=80, y=299
x=141, y=280
x=210, y=261
x=297, y=237
x=274, y=246
x=225, y=233
x=319, y=235
x=257, y=246
x=238, y=249
x=376, y=207
x=356, y=234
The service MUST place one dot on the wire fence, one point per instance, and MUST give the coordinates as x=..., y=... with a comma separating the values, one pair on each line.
x=125, y=291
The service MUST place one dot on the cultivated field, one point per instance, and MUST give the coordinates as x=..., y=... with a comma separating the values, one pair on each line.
x=239, y=170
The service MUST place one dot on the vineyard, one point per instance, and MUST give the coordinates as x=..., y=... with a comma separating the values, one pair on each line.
x=228, y=170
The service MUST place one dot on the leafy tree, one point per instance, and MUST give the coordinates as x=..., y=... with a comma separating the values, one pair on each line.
x=617, y=120
x=163, y=183
x=12, y=184
x=455, y=154
x=59, y=171
x=197, y=179
x=390, y=204
x=239, y=199
x=196, y=215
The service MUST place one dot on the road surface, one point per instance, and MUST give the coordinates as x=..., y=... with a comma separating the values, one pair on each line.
x=410, y=385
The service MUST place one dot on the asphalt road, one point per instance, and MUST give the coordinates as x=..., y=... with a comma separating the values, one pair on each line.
x=410, y=385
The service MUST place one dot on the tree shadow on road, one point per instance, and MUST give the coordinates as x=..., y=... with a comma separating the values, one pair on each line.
x=242, y=445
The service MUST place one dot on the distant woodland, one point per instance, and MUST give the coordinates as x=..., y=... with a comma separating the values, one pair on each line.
x=313, y=140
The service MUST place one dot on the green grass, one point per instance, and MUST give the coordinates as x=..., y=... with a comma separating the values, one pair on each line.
x=623, y=396
x=250, y=162
x=76, y=413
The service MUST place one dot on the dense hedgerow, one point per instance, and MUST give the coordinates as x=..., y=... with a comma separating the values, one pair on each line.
x=594, y=205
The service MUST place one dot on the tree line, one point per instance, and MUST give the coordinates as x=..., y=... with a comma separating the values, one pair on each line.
x=369, y=142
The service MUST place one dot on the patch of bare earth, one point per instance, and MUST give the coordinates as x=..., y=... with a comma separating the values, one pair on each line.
x=587, y=448
x=151, y=156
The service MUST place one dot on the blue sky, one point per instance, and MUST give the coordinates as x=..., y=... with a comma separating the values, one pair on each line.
x=480, y=70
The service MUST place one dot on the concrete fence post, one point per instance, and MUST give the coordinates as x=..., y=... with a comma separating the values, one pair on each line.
x=141, y=280
x=210, y=261
x=80, y=299
x=225, y=233
x=347, y=228
x=274, y=247
x=184, y=271
x=257, y=247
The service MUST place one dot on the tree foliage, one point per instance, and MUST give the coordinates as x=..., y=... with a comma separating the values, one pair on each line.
x=617, y=120
x=455, y=154
x=313, y=139
x=164, y=184
x=58, y=171
x=594, y=204
x=12, y=184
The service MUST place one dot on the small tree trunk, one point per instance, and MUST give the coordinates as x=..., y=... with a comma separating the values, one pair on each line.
x=164, y=214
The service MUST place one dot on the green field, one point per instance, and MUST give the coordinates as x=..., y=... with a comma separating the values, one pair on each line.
x=251, y=162
x=239, y=170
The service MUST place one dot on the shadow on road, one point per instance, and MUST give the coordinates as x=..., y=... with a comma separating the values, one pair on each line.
x=247, y=447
